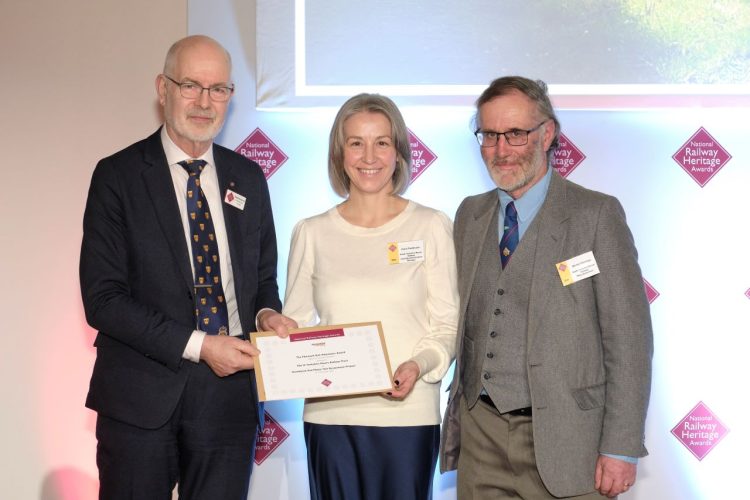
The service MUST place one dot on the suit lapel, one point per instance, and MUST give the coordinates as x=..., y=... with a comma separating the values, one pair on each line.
x=228, y=180
x=476, y=234
x=233, y=219
x=477, y=229
x=159, y=185
x=550, y=241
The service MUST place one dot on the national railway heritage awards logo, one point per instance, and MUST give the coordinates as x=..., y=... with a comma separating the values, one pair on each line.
x=651, y=293
x=701, y=157
x=567, y=156
x=269, y=439
x=700, y=431
x=421, y=156
x=259, y=148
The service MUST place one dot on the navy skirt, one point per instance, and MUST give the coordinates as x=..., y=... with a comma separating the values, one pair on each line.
x=354, y=462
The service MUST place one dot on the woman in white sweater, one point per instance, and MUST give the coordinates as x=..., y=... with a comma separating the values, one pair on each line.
x=375, y=446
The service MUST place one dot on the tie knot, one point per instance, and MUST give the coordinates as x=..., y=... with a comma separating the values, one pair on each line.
x=193, y=167
x=510, y=211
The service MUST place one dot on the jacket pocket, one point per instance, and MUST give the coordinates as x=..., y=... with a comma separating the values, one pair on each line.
x=590, y=397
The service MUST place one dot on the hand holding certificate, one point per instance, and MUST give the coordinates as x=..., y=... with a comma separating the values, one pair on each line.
x=322, y=361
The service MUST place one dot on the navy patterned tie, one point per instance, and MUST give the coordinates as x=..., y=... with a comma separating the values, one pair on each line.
x=210, y=307
x=509, y=241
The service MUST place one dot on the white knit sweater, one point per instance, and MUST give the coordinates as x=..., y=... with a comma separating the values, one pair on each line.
x=340, y=273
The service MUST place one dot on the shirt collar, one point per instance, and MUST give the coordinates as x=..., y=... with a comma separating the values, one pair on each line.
x=176, y=155
x=528, y=205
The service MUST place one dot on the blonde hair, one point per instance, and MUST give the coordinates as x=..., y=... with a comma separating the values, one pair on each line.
x=369, y=103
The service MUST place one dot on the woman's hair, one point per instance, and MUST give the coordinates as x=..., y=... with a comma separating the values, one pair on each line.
x=369, y=103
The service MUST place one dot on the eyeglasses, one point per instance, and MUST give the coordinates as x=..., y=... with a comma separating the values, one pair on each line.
x=515, y=137
x=191, y=90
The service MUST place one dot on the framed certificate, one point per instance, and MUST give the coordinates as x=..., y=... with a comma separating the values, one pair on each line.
x=322, y=361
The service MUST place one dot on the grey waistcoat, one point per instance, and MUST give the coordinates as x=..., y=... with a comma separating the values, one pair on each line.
x=494, y=355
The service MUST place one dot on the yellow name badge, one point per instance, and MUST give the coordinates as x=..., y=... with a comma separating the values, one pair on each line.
x=405, y=251
x=577, y=268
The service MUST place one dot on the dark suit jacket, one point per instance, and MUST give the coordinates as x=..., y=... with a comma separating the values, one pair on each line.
x=137, y=283
x=589, y=344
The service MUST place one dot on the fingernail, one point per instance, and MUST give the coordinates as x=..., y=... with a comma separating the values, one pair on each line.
x=389, y=393
x=396, y=382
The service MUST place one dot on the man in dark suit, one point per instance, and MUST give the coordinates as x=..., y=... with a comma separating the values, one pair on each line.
x=554, y=345
x=178, y=264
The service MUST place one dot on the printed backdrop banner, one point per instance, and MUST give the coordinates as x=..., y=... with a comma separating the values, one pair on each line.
x=681, y=173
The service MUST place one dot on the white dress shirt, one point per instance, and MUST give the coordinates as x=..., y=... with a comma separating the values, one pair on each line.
x=210, y=186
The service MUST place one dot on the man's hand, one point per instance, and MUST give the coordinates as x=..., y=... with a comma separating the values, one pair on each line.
x=227, y=355
x=404, y=379
x=270, y=320
x=613, y=476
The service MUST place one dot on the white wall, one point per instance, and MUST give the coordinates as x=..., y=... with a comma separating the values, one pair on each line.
x=77, y=85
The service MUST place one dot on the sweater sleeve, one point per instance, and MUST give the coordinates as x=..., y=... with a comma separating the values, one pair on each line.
x=435, y=351
x=298, y=303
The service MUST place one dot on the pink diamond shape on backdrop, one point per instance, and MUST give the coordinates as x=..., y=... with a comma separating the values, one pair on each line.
x=747, y=293
x=701, y=157
x=651, y=293
x=700, y=431
x=326, y=382
x=259, y=148
x=269, y=439
x=421, y=156
x=567, y=156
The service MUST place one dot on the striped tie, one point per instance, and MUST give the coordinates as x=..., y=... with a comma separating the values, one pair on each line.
x=509, y=241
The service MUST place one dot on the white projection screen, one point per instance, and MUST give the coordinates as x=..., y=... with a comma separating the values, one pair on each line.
x=593, y=54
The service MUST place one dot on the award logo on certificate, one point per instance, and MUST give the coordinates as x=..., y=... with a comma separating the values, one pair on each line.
x=322, y=361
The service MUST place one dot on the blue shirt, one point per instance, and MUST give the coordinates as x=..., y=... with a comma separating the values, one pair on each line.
x=527, y=205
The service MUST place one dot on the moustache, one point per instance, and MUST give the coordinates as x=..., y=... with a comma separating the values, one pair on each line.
x=503, y=162
x=198, y=113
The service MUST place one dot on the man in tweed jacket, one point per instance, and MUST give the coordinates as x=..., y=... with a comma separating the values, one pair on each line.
x=552, y=381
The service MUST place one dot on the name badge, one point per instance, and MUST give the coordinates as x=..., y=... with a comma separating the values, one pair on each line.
x=235, y=199
x=401, y=252
x=578, y=268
